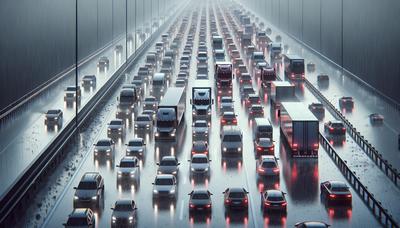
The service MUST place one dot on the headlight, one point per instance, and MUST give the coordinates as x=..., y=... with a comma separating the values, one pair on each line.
x=172, y=191
x=140, y=150
x=159, y=172
x=206, y=169
x=155, y=191
x=114, y=218
x=136, y=125
x=94, y=198
x=224, y=149
x=96, y=150
x=56, y=118
x=147, y=125
x=174, y=172
x=239, y=149
x=75, y=197
x=192, y=169
x=194, y=112
x=206, y=132
x=157, y=134
x=172, y=134
x=120, y=129
x=130, y=218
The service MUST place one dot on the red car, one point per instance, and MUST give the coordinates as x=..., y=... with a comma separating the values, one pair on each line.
x=346, y=103
x=336, y=192
x=228, y=118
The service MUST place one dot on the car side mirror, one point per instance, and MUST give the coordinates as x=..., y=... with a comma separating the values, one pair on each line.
x=152, y=183
x=117, y=166
x=189, y=160
x=112, y=208
x=75, y=188
x=178, y=163
x=157, y=163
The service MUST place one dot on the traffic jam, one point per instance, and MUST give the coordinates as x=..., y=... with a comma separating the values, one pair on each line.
x=208, y=129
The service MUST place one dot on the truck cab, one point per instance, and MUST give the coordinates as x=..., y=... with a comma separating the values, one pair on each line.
x=223, y=77
x=294, y=67
x=201, y=100
x=275, y=50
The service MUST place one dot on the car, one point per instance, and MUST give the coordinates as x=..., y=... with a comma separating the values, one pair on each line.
x=200, y=147
x=199, y=164
x=336, y=192
x=104, y=63
x=168, y=165
x=164, y=185
x=124, y=213
x=267, y=165
x=150, y=103
x=264, y=146
x=256, y=110
x=185, y=59
x=89, y=81
x=89, y=191
x=72, y=93
x=228, y=118
x=200, y=201
x=200, y=129
x=180, y=83
x=234, y=54
x=346, y=103
x=273, y=200
x=241, y=69
x=310, y=66
x=202, y=57
x=317, y=108
x=245, y=78
x=252, y=99
x=202, y=69
x=202, y=48
x=81, y=217
x=227, y=104
x=104, y=148
x=143, y=122
x=202, y=76
x=323, y=80
x=128, y=168
x=116, y=128
x=236, y=198
x=311, y=224
x=335, y=128
x=376, y=118
x=236, y=63
x=53, y=117
x=231, y=140
x=136, y=147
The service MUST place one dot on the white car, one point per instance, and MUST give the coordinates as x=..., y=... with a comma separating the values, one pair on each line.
x=200, y=164
x=115, y=128
x=165, y=186
x=104, y=148
x=200, y=130
x=226, y=104
x=128, y=168
x=136, y=147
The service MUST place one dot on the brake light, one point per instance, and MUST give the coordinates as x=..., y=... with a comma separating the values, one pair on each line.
x=316, y=145
x=208, y=205
x=261, y=169
x=245, y=200
x=331, y=129
x=348, y=196
x=332, y=196
x=259, y=148
x=227, y=201
x=234, y=120
x=292, y=75
x=223, y=121
x=302, y=75
x=343, y=129
x=284, y=203
x=191, y=205
x=193, y=152
x=267, y=204
x=276, y=170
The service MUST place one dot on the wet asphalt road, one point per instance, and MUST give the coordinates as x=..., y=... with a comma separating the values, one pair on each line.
x=300, y=178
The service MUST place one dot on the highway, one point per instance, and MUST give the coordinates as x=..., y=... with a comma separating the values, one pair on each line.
x=299, y=178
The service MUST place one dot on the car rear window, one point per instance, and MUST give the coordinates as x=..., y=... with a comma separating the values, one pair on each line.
x=103, y=143
x=268, y=164
x=236, y=194
x=168, y=163
x=143, y=118
x=200, y=196
x=275, y=198
x=123, y=207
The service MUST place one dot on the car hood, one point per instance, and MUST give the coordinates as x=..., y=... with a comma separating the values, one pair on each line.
x=232, y=144
x=102, y=148
x=202, y=107
x=85, y=193
x=122, y=214
x=199, y=165
x=226, y=104
x=164, y=187
x=200, y=129
x=165, y=129
x=127, y=170
x=143, y=122
x=135, y=148
x=167, y=169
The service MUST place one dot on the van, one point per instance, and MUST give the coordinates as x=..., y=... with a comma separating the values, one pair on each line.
x=262, y=128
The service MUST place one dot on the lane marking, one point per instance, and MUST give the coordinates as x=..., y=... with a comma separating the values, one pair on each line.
x=181, y=210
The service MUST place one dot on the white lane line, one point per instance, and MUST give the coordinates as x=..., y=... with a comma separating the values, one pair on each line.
x=181, y=210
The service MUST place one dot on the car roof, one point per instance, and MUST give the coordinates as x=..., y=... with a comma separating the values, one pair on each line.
x=200, y=191
x=274, y=192
x=124, y=202
x=267, y=158
x=105, y=140
x=169, y=158
x=338, y=184
x=80, y=212
x=129, y=159
x=89, y=176
x=231, y=130
x=165, y=176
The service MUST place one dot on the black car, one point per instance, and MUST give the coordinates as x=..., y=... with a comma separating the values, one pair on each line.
x=336, y=192
x=89, y=191
x=273, y=200
x=124, y=213
x=200, y=200
x=236, y=198
x=81, y=217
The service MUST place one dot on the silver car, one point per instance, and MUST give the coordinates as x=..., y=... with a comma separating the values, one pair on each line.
x=267, y=165
x=200, y=164
x=143, y=122
x=150, y=103
x=116, y=128
x=200, y=130
x=128, y=168
x=105, y=148
x=136, y=147
x=227, y=104
x=168, y=165
x=231, y=140
x=53, y=117
x=165, y=186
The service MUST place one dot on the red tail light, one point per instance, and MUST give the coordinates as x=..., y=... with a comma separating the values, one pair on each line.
x=259, y=148
x=191, y=205
x=261, y=169
x=227, y=201
x=316, y=145
x=284, y=203
x=332, y=196
x=344, y=129
x=267, y=204
x=348, y=196
x=208, y=205
x=276, y=170
x=245, y=200
x=223, y=121
x=234, y=120
x=331, y=129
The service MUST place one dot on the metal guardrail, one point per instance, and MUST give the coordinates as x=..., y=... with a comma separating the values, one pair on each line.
x=380, y=213
x=370, y=150
x=21, y=192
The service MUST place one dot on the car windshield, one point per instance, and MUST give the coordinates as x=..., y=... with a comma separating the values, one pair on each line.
x=115, y=122
x=256, y=108
x=142, y=118
x=103, y=143
x=127, y=164
x=226, y=100
x=340, y=188
x=258, y=57
x=164, y=181
x=275, y=198
x=52, y=112
x=202, y=101
x=199, y=160
x=126, y=99
x=202, y=55
x=200, y=124
x=200, y=196
x=232, y=138
x=87, y=185
x=135, y=143
x=123, y=207
x=168, y=163
x=158, y=82
x=268, y=164
x=298, y=67
x=81, y=221
x=236, y=194
x=165, y=123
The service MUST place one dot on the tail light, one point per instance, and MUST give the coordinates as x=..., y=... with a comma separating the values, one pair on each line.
x=245, y=200
x=193, y=152
x=227, y=201
x=331, y=129
x=208, y=205
x=284, y=203
x=332, y=196
x=234, y=120
x=267, y=204
x=316, y=145
x=348, y=196
x=261, y=169
x=343, y=129
x=259, y=148
x=292, y=76
x=191, y=205
x=302, y=75
x=276, y=170
x=294, y=146
x=223, y=121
